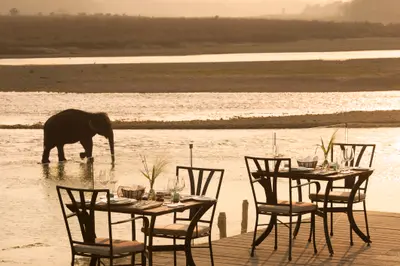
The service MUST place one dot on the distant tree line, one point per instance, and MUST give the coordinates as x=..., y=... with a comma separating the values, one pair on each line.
x=387, y=11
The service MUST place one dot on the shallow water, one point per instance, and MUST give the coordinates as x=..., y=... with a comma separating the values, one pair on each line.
x=33, y=231
x=206, y=58
x=34, y=107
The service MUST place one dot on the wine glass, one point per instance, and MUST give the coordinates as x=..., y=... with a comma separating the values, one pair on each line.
x=348, y=156
x=171, y=188
x=179, y=186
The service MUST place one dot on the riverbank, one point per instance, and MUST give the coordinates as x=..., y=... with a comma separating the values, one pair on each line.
x=54, y=36
x=285, y=76
x=356, y=119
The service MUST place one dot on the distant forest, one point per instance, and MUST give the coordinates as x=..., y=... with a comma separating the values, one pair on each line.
x=383, y=11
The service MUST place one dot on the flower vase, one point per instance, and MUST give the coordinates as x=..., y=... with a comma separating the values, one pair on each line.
x=175, y=197
x=325, y=163
x=152, y=194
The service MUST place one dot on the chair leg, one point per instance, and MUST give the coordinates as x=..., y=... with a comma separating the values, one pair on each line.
x=297, y=228
x=73, y=260
x=331, y=220
x=174, y=242
x=253, y=245
x=351, y=236
x=211, y=252
x=111, y=261
x=276, y=234
x=133, y=259
x=366, y=221
x=143, y=256
x=313, y=232
x=290, y=238
x=311, y=228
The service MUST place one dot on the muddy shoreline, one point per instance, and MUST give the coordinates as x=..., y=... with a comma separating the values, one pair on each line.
x=355, y=119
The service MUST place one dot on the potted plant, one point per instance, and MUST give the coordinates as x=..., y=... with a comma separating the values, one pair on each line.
x=152, y=173
x=326, y=149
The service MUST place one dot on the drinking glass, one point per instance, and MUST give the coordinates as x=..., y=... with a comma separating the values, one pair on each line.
x=348, y=156
x=179, y=186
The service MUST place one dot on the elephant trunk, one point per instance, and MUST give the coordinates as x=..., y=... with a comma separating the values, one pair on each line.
x=111, y=142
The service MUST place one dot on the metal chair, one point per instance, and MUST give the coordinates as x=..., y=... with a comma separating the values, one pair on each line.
x=265, y=172
x=363, y=157
x=87, y=243
x=200, y=180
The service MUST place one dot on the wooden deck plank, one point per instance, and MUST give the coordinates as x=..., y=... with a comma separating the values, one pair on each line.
x=235, y=250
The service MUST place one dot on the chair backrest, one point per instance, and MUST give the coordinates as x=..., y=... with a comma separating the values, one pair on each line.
x=363, y=153
x=268, y=180
x=363, y=157
x=199, y=183
x=71, y=200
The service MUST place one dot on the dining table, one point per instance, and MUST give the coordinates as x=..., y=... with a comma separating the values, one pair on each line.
x=154, y=209
x=360, y=176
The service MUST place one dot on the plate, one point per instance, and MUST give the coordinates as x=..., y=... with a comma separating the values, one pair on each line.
x=202, y=198
x=119, y=201
x=361, y=168
x=301, y=169
x=174, y=205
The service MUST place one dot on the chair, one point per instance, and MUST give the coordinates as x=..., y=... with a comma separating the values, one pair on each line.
x=87, y=243
x=265, y=172
x=200, y=180
x=363, y=157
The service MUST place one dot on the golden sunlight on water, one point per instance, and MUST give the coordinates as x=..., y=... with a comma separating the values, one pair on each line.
x=31, y=216
x=33, y=107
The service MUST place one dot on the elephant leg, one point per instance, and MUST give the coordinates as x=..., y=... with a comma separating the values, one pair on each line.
x=61, y=156
x=88, y=146
x=46, y=153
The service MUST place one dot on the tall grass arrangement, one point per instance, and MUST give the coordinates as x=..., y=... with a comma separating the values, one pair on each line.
x=151, y=173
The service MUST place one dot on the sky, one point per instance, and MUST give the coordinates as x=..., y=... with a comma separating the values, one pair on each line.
x=163, y=7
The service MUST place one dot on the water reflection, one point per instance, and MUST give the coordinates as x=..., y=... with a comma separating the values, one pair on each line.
x=87, y=174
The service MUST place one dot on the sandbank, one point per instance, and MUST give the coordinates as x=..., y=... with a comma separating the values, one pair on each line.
x=355, y=119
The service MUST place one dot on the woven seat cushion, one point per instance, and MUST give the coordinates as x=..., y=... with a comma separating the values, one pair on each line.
x=296, y=207
x=119, y=247
x=180, y=230
x=337, y=196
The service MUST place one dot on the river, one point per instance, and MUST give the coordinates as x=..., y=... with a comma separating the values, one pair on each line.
x=206, y=58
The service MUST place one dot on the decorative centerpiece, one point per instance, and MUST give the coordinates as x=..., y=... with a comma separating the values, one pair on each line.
x=327, y=149
x=152, y=173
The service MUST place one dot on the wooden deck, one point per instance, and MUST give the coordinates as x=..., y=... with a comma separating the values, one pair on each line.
x=384, y=250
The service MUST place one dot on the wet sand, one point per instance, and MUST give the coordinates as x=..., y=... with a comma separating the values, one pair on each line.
x=355, y=119
x=292, y=76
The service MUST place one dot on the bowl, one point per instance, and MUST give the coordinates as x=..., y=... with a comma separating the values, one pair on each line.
x=311, y=164
x=132, y=192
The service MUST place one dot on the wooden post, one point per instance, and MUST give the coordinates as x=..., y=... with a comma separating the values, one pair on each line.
x=245, y=216
x=222, y=224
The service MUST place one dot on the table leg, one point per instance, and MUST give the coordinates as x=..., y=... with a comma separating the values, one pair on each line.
x=267, y=231
x=325, y=215
x=93, y=261
x=150, y=244
x=190, y=232
x=350, y=214
x=300, y=199
x=133, y=223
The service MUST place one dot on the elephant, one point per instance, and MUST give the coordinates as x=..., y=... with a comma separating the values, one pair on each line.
x=72, y=125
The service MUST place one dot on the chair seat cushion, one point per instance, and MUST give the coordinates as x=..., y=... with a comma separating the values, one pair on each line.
x=179, y=230
x=119, y=247
x=337, y=196
x=282, y=207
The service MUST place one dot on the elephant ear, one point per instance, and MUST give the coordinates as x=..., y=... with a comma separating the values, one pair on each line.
x=92, y=127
